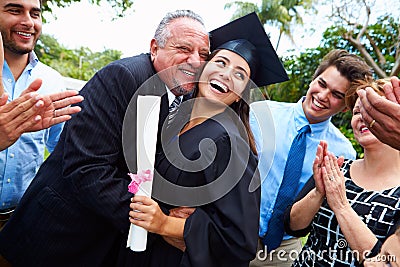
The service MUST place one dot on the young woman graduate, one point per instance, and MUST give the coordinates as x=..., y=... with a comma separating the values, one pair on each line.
x=210, y=163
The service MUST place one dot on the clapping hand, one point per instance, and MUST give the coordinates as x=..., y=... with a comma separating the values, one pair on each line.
x=317, y=167
x=325, y=168
x=56, y=107
x=31, y=111
x=334, y=182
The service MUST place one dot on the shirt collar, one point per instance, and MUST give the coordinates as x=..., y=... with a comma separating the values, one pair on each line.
x=171, y=96
x=33, y=61
x=301, y=120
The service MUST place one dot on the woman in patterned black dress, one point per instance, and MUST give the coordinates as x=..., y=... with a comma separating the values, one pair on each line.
x=348, y=211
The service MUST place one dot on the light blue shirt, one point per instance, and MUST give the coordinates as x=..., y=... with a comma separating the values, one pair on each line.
x=288, y=119
x=20, y=162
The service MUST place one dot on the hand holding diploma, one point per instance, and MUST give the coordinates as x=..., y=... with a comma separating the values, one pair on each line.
x=146, y=213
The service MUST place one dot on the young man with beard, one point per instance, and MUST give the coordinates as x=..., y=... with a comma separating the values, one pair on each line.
x=34, y=105
x=324, y=98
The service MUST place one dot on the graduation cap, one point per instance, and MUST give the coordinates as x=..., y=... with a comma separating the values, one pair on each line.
x=246, y=37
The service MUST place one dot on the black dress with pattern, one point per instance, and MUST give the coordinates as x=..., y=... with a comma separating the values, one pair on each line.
x=326, y=244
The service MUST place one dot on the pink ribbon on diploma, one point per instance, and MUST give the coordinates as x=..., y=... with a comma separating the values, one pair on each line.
x=137, y=179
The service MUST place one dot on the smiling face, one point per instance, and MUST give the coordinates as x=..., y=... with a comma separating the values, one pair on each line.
x=361, y=133
x=185, y=50
x=325, y=96
x=20, y=25
x=224, y=78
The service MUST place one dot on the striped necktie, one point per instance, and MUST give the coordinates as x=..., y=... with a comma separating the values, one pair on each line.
x=173, y=108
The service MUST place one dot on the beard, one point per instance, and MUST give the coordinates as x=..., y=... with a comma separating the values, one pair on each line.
x=10, y=45
x=182, y=88
x=13, y=48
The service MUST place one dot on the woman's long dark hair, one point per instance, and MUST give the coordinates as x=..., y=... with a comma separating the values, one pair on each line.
x=241, y=108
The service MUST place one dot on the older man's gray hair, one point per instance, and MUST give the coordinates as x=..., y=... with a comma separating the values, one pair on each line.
x=162, y=32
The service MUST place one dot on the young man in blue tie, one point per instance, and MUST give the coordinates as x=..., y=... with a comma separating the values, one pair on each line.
x=298, y=128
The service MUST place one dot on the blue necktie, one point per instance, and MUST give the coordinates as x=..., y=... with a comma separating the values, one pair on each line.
x=287, y=190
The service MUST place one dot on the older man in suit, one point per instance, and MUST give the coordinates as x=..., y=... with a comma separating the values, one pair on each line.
x=75, y=213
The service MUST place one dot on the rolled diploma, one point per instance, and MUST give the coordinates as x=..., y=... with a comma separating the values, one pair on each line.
x=148, y=110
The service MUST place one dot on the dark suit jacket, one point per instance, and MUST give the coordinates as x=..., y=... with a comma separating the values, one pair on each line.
x=75, y=212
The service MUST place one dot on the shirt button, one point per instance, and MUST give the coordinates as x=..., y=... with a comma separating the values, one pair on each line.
x=8, y=180
x=9, y=80
x=3, y=204
x=11, y=155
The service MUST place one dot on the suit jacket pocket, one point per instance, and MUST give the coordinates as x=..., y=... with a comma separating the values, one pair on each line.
x=59, y=213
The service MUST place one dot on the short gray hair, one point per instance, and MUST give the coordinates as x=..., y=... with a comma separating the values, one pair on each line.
x=163, y=33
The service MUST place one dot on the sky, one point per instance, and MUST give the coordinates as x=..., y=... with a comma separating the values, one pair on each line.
x=83, y=24
x=87, y=25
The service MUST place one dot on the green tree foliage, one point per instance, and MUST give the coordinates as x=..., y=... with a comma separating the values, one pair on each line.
x=119, y=6
x=80, y=63
x=385, y=33
x=381, y=41
x=279, y=13
x=378, y=44
x=300, y=69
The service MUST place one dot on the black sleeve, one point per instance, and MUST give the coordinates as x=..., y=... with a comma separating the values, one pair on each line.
x=286, y=217
x=225, y=232
x=374, y=251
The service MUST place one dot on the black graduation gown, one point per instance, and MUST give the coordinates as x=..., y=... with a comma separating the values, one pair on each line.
x=225, y=231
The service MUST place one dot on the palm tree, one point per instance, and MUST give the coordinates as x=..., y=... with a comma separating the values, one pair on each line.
x=280, y=13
